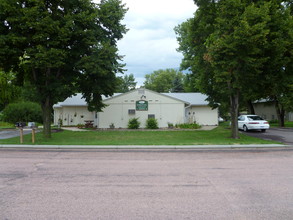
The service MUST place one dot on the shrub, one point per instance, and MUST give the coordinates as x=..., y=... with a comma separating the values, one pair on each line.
x=188, y=126
x=152, y=123
x=80, y=125
x=274, y=121
x=133, y=123
x=112, y=126
x=170, y=125
x=22, y=112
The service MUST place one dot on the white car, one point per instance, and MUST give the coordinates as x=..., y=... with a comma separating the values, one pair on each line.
x=252, y=122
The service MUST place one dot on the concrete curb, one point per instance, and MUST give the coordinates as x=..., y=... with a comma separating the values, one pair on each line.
x=144, y=146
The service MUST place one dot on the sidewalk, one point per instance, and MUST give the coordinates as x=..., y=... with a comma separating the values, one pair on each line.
x=203, y=128
x=145, y=146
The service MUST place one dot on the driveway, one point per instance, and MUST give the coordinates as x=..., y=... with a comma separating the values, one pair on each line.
x=284, y=135
x=9, y=133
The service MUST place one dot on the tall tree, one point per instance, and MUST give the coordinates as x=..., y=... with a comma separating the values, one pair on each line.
x=62, y=47
x=278, y=78
x=125, y=83
x=164, y=80
x=225, y=45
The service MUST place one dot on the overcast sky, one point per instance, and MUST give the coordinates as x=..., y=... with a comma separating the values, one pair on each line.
x=150, y=44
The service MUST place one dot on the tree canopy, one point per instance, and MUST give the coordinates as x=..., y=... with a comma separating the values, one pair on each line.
x=168, y=80
x=229, y=45
x=125, y=83
x=62, y=47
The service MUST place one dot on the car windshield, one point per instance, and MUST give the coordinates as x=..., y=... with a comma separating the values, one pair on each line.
x=254, y=118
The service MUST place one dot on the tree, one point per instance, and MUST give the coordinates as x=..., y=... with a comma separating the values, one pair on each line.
x=62, y=47
x=225, y=45
x=278, y=81
x=177, y=85
x=235, y=50
x=164, y=80
x=125, y=83
x=9, y=92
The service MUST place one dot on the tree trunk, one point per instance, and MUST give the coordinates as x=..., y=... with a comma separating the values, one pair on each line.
x=250, y=107
x=47, y=111
x=234, y=107
x=280, y=114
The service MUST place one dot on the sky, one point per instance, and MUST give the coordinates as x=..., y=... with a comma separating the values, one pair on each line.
x=150, y=44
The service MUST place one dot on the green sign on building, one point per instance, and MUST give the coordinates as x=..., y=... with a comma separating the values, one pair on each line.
x=142, y=105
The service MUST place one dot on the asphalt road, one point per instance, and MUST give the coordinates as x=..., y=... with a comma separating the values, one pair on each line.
x=284, y=135
x=146, y=184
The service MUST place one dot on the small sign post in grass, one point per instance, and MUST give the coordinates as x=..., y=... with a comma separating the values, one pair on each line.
x=21, y=134
x=33, y=135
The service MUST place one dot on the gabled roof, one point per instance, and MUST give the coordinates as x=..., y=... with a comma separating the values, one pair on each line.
x=194, y=99
x=144, y=89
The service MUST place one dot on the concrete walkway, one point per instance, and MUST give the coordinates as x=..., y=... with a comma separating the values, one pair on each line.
x=203, y=128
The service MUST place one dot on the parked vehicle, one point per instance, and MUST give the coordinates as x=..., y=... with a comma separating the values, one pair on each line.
x=252, y=122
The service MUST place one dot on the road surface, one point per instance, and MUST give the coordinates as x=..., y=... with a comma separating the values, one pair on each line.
x=146, y=184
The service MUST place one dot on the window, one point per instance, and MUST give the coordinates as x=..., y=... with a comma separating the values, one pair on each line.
x=151, y=116
x=254, y=118
x=131, y=111
x=241, y=118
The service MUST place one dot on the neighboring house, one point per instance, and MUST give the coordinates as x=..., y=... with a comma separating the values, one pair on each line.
x=267, y=110
x=141, y=103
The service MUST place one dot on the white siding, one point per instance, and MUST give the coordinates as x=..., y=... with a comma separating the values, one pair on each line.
x=72, y=115
x=266, y=110
x=203, y=115
x=164, y=108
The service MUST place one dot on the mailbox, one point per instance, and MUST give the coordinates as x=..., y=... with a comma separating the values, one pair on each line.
x=20, y=124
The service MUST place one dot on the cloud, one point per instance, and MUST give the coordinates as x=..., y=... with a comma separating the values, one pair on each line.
x=150, y=44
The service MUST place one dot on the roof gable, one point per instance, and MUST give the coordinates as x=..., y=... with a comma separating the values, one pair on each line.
x=194, y=99
x=143, y=94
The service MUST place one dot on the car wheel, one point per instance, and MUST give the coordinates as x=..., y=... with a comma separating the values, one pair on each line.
x=263, y=130
x=245, y=128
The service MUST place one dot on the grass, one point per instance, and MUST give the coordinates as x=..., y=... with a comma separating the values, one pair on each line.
x=288, y=124
x=219, y=136
x=6, y=125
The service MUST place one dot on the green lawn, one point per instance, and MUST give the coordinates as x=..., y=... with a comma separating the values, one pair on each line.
x=288, y=124
x=4, y=125
x=219, y=135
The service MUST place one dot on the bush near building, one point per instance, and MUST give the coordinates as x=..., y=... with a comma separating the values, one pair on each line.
x=133, y=123
x=152, y=123
x=188, y=126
